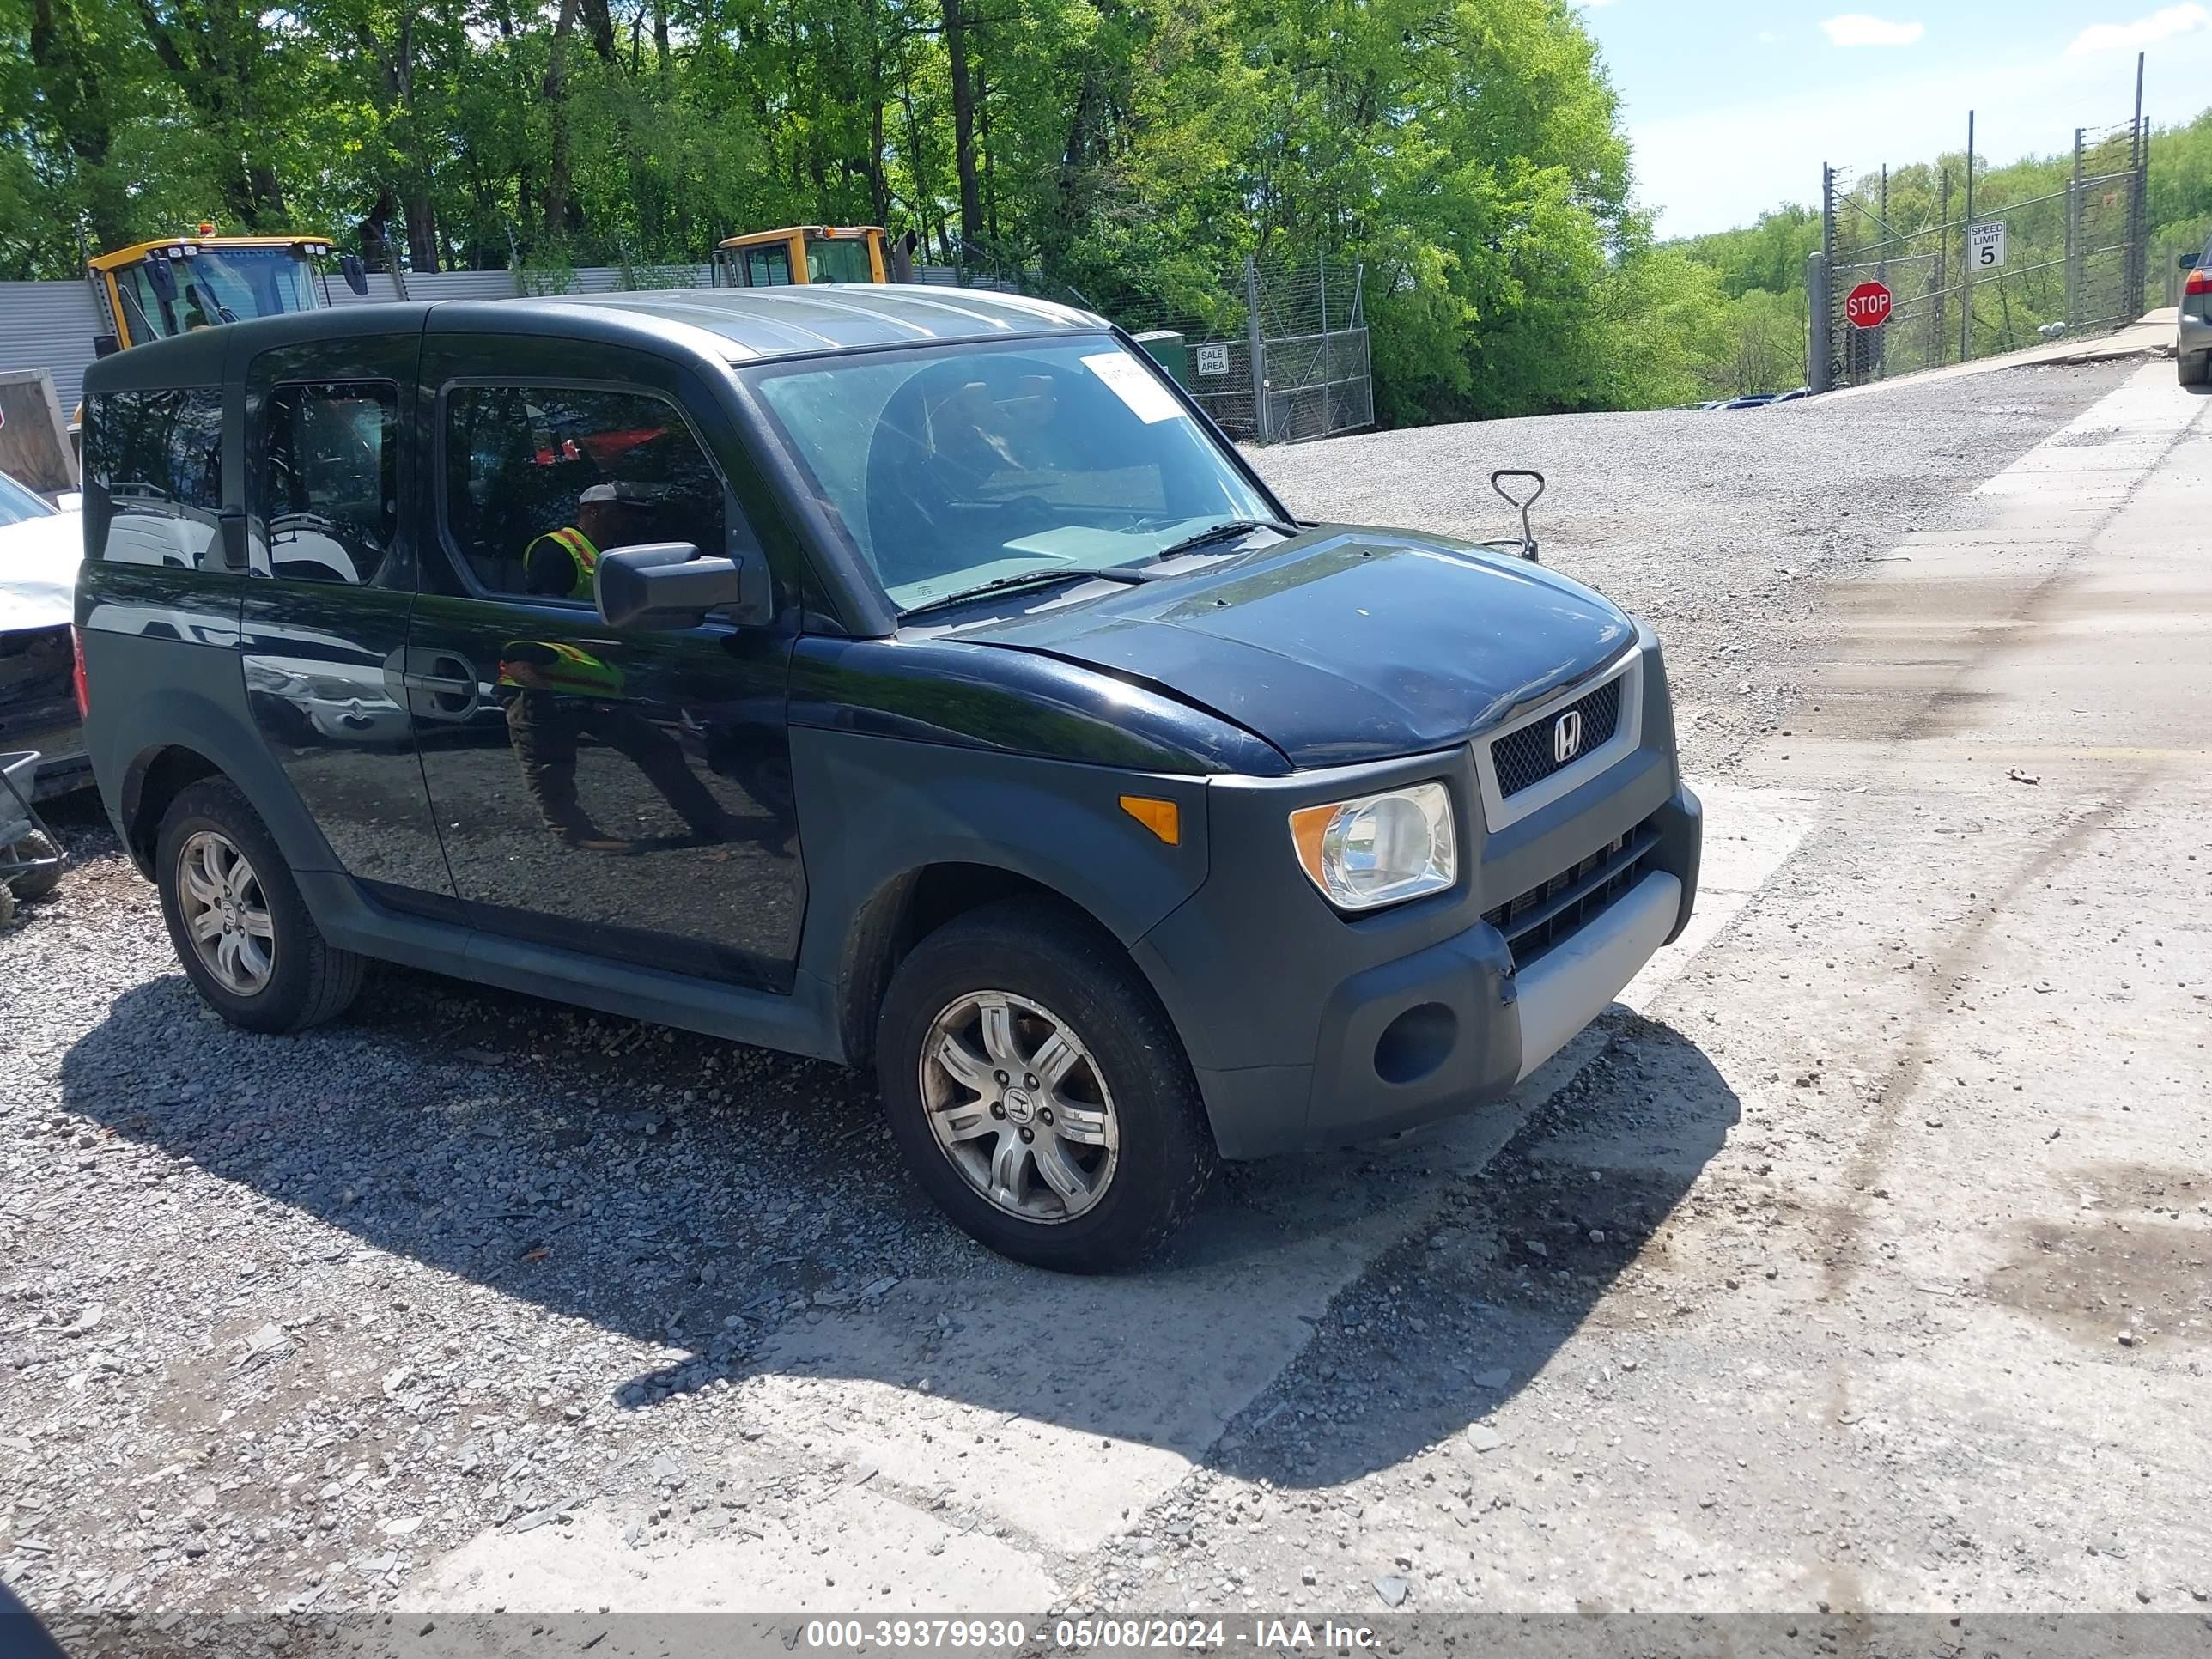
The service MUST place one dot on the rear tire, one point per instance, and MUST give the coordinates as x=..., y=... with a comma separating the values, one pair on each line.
x=34, y=883
x=1098, y=1161
x=237, y=921
x=2193, y=371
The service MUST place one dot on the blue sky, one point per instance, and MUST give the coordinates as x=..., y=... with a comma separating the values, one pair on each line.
x=1731, y=106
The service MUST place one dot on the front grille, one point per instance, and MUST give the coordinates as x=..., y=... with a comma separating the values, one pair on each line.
x=1526, y=757
x=1554, y=911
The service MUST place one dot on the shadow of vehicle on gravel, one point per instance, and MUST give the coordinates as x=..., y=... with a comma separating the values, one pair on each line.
x=21, y=1634
x=1331, y=1314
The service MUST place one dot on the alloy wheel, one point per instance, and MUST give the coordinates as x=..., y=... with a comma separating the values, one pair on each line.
x=1019, y=1106
x=225, y=914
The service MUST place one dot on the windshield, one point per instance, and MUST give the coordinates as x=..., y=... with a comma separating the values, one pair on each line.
x=950, y=469
x=219, y=285
x=18, y=504
x=838, y=259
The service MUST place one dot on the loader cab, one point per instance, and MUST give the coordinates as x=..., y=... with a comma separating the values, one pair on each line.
x=158, y=290
x=799, y=254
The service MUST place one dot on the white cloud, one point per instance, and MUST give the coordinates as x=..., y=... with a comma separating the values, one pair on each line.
x=2160, y=25
x=1768, y=37
x=1857, y=28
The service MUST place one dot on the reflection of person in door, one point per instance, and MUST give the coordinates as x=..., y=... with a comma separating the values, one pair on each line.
x=558, y=693
x=563, y=564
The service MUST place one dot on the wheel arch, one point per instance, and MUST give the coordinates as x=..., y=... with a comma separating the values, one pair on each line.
x=156, y=778
x=902, y=836
x=197, y=742
x=885, y=929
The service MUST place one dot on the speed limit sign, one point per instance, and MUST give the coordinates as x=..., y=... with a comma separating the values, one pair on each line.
x=1985, y=246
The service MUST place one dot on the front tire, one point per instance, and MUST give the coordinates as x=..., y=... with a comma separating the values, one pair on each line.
x=237, y=921
x=1038, y=1091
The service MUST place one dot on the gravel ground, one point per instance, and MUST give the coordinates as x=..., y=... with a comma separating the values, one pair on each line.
x=1718, y=526
x=279, y=1320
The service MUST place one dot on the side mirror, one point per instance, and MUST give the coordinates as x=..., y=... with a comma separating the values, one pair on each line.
x=106, y=345
x=354, y=273
x=668, y=585
x=2188, y=262
x=161, y=279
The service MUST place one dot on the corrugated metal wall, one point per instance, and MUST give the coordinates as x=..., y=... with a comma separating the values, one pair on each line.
x=462, y=285
x=382, y=290
x=50, y=325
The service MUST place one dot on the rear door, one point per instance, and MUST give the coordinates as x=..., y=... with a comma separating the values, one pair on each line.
x=622, y=792
x=325, y=622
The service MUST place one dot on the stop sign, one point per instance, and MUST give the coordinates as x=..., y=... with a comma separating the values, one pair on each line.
x=1867, y=304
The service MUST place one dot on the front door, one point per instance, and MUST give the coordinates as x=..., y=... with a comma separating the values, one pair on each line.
x=622, y=792
x=324, y=618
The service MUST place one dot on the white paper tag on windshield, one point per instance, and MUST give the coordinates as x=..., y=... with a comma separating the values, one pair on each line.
x=1130, y=383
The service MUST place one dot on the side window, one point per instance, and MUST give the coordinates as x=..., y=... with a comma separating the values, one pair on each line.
x=541, y=480
x=325, y=488
x=767, y=266
x=153, y=473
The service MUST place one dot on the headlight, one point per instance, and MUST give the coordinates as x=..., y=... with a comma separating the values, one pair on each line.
x=1377, y=849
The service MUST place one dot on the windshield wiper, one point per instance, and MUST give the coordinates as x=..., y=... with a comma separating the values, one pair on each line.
x=1216, y=532
x=1111, y=572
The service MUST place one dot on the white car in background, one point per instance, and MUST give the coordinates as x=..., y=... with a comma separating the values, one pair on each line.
x=40, y=549
x=2192, y=346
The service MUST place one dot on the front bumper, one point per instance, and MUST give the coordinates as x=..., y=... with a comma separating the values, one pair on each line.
x=1307, y=1028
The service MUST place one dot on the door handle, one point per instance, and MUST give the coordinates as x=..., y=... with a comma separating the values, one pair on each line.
x=446, y=682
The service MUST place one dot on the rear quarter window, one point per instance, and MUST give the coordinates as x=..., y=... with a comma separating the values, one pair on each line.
x=153, y=477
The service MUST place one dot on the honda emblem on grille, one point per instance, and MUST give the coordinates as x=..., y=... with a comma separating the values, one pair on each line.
x=1567, y=736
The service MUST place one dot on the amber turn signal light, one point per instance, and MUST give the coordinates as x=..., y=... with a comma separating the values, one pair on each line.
x=1159, y=816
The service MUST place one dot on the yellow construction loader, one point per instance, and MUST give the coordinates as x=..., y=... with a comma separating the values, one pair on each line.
x=155, y=290
x=801, y=253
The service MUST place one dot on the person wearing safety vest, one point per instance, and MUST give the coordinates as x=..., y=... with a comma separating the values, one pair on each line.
x=556, y=692
x=564, y=563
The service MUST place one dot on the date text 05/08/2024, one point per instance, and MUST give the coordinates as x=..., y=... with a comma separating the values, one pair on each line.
x=1088, y=1635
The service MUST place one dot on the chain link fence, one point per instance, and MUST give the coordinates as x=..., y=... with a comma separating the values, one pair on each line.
x=1315, y=374
x=1974, y=262
x=1278, y=354
x=2107, y=267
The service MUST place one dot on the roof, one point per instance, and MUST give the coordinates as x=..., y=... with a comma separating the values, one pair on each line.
x=750, y=323
x=735, y=325
x=137, y=250
x=854, y=232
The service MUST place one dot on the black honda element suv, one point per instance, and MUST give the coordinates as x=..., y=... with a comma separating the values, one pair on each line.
x=881, y=674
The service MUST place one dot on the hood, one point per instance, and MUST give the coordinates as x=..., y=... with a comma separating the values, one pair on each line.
x=1344, y=644
x=38, y=559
